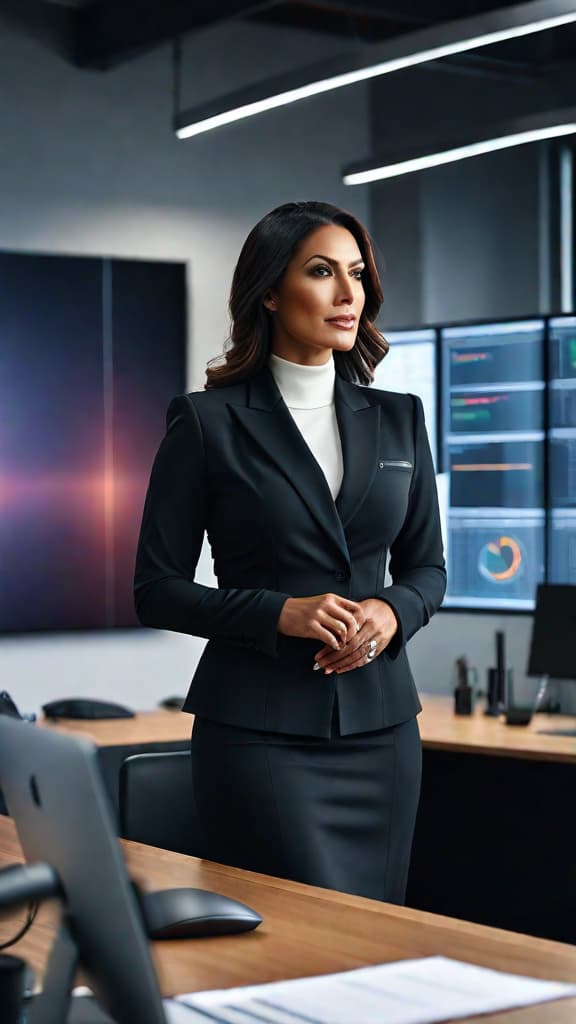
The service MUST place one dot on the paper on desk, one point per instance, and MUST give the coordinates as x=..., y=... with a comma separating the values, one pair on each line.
x=407, y=992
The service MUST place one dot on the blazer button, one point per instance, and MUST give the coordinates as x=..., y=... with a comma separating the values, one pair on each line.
x=340, y=576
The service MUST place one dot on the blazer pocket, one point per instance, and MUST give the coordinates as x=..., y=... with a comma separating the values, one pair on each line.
x=395, y=464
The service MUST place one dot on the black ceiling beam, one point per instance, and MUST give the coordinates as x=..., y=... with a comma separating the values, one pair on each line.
x=50, y=24
x=107, y=33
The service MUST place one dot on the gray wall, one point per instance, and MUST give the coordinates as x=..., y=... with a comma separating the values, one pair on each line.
x=89, y=165
x=461, y=241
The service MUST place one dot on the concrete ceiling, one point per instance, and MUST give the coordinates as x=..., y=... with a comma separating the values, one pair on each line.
x=100, y=34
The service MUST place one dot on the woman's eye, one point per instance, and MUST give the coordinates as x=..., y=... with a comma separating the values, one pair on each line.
x=319, y=270
x=358, y=274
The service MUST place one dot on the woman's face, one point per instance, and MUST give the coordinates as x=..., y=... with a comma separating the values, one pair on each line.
x=316, y=308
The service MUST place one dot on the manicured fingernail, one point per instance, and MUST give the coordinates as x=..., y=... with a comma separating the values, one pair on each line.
x=316, y=666
x=327, y=671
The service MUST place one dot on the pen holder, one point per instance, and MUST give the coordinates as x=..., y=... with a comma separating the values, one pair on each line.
x=463, y=700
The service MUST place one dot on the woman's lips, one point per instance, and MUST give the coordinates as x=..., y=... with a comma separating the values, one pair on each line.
x=344, y=324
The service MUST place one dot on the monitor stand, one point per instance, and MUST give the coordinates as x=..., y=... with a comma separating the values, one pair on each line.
x=82, y=1010
x=55, y=1004
x=85, y=1010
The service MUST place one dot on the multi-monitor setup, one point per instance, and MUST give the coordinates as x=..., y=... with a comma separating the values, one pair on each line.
x=500, y=404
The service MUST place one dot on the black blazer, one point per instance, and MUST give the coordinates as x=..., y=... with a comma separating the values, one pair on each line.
x=234, y=463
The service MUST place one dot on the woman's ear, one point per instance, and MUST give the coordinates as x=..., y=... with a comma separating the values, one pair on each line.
x=269, y=302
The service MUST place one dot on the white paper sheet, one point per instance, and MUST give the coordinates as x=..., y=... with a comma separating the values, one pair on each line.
x=407, y=992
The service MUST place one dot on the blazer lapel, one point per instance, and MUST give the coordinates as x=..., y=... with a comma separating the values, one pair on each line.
x=359, y=426
x=269, y=423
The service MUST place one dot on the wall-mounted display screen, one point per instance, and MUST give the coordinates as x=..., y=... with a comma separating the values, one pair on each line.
x=493, y=420
x=562, y=450
x=91, y=351
x=410, y=366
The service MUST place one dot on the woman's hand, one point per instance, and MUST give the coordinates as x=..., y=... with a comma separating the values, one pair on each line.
x=379, y=626
x=328, y=617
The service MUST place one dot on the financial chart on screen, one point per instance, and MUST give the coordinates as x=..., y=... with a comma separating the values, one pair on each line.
x=492, y=426
x=562, y=450
x=410, y=366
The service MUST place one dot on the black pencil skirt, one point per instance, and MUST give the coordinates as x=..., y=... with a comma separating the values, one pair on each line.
x=337, y=813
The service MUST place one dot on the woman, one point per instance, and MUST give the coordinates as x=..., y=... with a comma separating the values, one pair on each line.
x=305, y=749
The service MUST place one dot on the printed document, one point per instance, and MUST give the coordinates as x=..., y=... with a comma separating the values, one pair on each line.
x=406, y=992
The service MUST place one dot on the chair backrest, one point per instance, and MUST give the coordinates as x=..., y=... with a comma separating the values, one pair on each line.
x=156, y=801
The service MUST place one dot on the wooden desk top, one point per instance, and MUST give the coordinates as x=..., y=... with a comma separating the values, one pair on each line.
x=158, y=726
x=308, y=931
x=440, y=729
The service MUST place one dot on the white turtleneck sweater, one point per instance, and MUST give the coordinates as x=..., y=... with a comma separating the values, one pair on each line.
x=308, y=391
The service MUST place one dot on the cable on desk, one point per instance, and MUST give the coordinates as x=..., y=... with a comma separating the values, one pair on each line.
x=30, y=918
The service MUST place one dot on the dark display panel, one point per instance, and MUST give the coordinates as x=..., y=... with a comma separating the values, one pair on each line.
x=501, y=474
x=562, y=451
x=91, y=352
x=504, y=410
x=562, y=548
x=490, y=353
x=493, y=447
x=496, y=559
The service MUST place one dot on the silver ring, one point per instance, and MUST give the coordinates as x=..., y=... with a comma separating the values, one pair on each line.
x=371, y=654
x=372, y=644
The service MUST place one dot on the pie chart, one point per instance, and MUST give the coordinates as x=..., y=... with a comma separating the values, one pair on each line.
x=500, y=560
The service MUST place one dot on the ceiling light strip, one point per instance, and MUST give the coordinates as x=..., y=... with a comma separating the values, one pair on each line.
x=449, y=156
x=374, y=70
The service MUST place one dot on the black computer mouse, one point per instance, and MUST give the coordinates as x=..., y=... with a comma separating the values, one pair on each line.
x=194, y=913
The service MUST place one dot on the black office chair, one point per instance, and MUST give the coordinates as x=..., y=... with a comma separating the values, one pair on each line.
x=156, y=801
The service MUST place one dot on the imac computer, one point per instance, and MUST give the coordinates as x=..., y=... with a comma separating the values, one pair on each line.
x=54, y=793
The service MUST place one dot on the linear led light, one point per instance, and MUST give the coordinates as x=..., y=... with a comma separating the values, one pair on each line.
x=395, y=55
x=449, y=156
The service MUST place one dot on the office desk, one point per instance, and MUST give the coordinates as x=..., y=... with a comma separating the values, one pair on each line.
x=493, y=840
x=441, y=729
x=118, y=738
x=148, y=727
x=309, y=931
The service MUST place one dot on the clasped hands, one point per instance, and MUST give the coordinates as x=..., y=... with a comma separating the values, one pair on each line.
x=354, y=632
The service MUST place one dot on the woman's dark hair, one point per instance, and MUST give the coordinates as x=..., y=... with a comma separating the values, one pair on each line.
x=262, y=262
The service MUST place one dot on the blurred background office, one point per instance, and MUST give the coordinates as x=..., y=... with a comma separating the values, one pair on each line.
x=476, y=252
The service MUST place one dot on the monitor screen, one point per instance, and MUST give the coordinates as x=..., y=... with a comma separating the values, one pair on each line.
x=552, y=650
x=91, y=352
x=493, y=421
x=410, y=366
x=562, y=448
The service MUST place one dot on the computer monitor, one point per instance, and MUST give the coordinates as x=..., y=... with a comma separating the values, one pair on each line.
x=55, y=795
x=411, y=366
x=562, y=450
x=552, y=650
x=493, y=442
